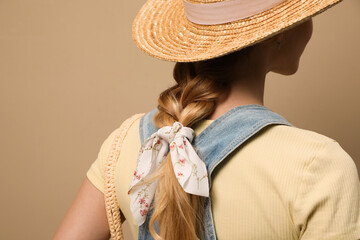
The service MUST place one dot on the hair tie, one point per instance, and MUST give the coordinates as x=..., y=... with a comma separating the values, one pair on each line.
x=189, y=169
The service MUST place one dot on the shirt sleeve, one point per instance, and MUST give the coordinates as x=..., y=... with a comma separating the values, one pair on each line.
x=96, y=172
x=327, y=206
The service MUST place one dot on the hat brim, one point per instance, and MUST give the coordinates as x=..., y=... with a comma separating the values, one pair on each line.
x=162, y=30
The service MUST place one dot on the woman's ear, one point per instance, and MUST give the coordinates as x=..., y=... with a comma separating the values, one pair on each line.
x=279, y=39
x=274, y=42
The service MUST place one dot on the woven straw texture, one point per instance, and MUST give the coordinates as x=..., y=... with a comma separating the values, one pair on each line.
x=111, y=203
x=162, y=30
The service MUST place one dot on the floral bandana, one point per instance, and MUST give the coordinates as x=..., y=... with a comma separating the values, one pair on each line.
x=189, y=169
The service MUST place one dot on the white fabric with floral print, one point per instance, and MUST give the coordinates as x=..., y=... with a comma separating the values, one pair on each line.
x=189, y=169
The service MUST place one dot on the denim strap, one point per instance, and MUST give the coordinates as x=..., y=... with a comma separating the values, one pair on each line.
x=214, y=144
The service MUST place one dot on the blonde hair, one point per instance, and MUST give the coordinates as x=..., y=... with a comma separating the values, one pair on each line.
x=191, y=99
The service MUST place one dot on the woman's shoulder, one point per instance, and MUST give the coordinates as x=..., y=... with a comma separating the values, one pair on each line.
x=114, y=140
x=328, y=195
x=128, y=127
x=305, y=134
x=292, y=135
x=298, y=141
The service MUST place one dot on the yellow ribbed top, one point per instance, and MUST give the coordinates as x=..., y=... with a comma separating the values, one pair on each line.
x=284, y=183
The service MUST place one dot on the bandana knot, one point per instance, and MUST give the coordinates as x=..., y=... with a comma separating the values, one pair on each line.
x=189, y=169
x=168, y=134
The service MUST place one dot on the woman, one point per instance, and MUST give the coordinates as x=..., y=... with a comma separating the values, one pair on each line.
x=278, y=182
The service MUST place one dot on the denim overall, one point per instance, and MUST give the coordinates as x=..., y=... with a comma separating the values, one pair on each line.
x=213, y=144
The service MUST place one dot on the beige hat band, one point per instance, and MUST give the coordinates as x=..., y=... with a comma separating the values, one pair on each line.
x=226, y=11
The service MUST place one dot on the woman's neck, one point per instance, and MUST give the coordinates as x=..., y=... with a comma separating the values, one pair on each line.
x=235, y=98
x=243, y=91
x=248, y=86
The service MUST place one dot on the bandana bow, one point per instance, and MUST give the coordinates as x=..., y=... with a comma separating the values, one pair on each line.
x=189, y=169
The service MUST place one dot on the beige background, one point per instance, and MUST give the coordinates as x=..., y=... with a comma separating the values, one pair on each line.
x=70, y=74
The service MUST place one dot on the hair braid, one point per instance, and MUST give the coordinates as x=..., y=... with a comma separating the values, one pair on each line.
x=193, y=98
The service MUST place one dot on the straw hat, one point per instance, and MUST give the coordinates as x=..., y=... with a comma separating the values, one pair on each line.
x=162, y=27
